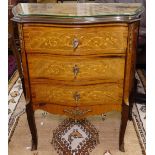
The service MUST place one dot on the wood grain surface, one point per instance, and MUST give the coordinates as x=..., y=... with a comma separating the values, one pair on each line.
x=92, y=109
x=130, y=61
x=84, y=69
x=99, y=56
x=106, y=94
x=103, y=39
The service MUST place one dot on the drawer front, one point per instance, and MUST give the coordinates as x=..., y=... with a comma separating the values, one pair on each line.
x=75, y=68
x=46, y=92
x=76, y=41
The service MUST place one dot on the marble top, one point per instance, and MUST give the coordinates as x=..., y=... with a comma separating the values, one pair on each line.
x=76, y=10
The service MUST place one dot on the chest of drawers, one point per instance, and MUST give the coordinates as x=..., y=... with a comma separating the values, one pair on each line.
x=78, y=64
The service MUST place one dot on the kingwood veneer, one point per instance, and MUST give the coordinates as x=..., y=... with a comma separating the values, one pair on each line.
x=78, y=63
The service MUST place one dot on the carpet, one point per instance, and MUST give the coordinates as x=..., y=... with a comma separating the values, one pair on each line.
x=75, y=137
x=139, y=110
x=107, y=126
x=108, y=135
x=14, y=95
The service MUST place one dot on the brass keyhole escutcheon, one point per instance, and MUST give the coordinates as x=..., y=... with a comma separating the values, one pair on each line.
x=76, y=70
x=75, y=43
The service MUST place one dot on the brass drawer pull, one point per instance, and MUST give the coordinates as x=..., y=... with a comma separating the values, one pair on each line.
x=76, y=96
x=76, y=70
x=76, y=111
x=75, y=43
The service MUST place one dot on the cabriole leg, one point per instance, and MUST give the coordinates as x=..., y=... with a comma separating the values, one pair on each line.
x=132, y=98
x=32, y=126
x=124, y=119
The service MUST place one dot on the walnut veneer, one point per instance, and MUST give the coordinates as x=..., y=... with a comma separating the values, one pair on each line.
x=90, y=74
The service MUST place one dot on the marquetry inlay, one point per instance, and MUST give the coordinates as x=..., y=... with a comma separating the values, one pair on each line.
x=60, y=40
x=81, y=95
x=83, y=68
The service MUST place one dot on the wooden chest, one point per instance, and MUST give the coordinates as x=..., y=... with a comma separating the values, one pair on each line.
x=78, y=65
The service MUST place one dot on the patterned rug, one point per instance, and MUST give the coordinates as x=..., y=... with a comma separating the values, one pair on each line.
x=14, y=95
x=75, y=137
x=139, y=110
x=47, y=123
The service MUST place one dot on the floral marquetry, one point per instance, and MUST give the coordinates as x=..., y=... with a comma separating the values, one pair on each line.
x=60, y=41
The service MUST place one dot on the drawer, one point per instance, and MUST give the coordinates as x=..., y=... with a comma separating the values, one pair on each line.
x=45, y=92
x=84, y=69
x=76, y=41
